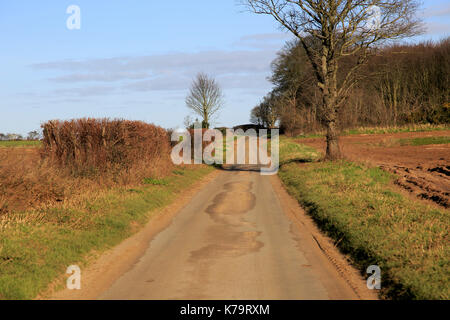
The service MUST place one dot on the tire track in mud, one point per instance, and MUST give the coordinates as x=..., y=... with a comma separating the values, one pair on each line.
x=430, y=184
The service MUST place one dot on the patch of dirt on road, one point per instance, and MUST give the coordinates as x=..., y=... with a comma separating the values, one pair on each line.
x=232, y=244
x=229, y=209
x=236, y=199
x=423, y=170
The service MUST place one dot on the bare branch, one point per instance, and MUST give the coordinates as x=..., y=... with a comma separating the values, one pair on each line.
x=205, y=97
x=329, y=30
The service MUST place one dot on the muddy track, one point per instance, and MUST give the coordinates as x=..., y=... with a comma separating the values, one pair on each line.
x=429, y=184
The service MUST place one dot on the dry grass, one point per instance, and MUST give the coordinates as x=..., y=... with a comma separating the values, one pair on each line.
x=81, y=157
x=36, y=246
x=90, y=185
x=382, y=130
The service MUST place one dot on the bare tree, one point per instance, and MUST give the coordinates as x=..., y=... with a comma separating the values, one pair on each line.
x=266, y=113
x=269, y=110
x=205, y=98
x=187, y=122
x=256, y=116
x=329, y=30
x=33, y=135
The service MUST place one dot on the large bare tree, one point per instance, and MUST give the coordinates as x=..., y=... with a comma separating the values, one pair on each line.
x=329, y=30
x=205, y=98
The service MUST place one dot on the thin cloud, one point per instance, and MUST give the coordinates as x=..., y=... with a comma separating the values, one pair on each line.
x=263, y=41
x=437, y=28
x=101, y=77
x=219, y=61
x=437, y=11
x=88, y=91
x=164, y=72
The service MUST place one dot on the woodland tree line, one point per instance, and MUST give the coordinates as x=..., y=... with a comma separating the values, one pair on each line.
x=399, y=85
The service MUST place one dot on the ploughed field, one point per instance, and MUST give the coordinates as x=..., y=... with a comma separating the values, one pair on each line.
x=420, y=159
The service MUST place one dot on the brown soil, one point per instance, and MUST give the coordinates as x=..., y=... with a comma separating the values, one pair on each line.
x=424, y=171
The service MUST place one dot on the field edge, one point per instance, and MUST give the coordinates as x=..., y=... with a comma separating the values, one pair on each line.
x=34, y=256
x=298, y=163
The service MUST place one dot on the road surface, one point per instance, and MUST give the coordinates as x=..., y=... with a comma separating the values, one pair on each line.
x=233, y=240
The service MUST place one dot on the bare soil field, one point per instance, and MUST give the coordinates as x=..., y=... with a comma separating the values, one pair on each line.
x=423, y=166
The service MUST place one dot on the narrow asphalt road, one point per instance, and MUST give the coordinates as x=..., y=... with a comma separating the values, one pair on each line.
x=232, y=241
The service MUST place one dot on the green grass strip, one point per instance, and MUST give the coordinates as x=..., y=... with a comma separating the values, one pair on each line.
x=34, y=251
x=16, y=144
x=424, y=141
x=383, y=130
x=359, y=207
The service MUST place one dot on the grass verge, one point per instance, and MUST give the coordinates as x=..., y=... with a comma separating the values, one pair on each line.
x=359, y=207
x=37, y=246
x=397, y=129
x=424, y=141
x=383, y=130
x=21, y=143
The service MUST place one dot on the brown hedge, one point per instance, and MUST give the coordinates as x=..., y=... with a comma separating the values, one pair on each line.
x=101, y=144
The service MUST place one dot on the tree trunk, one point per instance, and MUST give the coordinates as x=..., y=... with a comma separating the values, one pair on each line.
x=329, y=90
x=205, y=120
x=333, y=148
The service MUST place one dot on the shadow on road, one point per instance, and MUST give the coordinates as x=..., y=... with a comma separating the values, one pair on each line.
x=241, y=167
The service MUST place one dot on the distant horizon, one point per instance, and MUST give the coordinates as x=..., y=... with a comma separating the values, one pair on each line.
x=137, y=62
